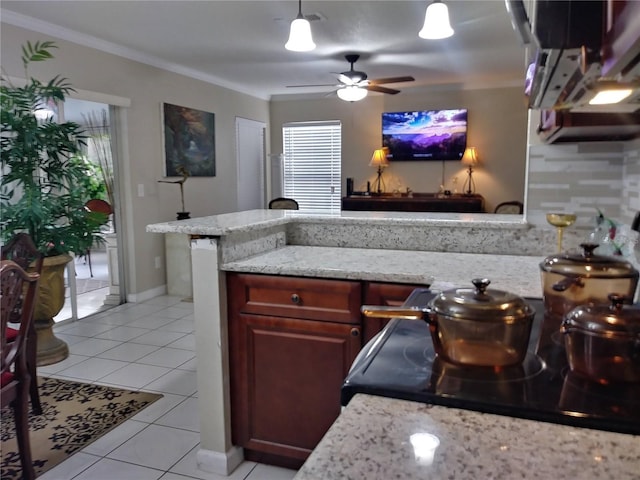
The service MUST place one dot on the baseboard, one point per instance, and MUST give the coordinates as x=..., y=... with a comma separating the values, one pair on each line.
x=147, y=294
x=219, y=463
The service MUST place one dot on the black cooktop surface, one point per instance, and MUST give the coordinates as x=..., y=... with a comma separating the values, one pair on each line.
x=401, y=363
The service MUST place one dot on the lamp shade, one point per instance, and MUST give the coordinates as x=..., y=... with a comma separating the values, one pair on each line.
x=436, y=22
x=379, y=158
x=470, y=156
x=300, y=36
x=352, y=93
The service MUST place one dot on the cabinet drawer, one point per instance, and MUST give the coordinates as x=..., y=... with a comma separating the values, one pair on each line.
x=294, y=297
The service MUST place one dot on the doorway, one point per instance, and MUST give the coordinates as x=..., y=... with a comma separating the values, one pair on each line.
x=92, y=280
x=250, y=153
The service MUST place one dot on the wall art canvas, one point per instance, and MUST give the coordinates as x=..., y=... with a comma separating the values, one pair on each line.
x=189, y=141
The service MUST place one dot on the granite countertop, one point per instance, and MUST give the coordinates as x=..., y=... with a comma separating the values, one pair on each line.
x=441, y=270
x=372, y=438
x=251, y=220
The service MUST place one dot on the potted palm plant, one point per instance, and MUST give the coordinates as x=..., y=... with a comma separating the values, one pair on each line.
x=43, y=189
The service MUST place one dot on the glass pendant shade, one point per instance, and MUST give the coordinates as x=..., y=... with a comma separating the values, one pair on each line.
x=300, y=36
x=352, y=93
x=436, y=22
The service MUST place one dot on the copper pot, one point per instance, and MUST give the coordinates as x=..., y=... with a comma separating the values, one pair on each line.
x=472, y=326
x=603, y=341
x=570, y=280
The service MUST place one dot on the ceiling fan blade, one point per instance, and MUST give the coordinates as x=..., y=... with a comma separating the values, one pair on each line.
x=376, y=88
x=345, y=80
x=317, y=85
x=379, y=81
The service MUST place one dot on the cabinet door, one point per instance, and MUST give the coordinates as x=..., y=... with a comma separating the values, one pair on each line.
x=286, y=376
x=390, y=294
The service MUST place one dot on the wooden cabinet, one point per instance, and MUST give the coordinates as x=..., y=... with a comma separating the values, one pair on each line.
x=420, y=202
x=390, y=294
x=292, y=341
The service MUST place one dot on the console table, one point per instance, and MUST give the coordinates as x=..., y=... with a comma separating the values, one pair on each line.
x=418, y=202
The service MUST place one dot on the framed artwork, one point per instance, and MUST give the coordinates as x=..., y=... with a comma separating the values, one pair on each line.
x=189, y=141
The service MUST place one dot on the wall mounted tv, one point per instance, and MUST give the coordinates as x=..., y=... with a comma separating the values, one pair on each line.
x=425, y=134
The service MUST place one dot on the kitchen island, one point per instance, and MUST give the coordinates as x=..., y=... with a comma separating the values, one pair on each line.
x=380, y=438
x=440, y=249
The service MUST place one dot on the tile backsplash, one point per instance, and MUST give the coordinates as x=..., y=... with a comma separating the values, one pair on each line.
x=583, y=177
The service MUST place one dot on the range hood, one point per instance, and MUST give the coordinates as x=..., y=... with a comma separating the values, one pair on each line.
x=575, y=48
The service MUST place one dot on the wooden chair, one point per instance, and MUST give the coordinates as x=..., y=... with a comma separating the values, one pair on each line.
x=15, y=376
x=514, y=207
x=283, y=203
x=23, y=251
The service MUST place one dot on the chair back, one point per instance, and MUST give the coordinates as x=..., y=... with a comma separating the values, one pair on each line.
x=282, y=203
x=12, y=290
x=513, y=207
x=21, y=250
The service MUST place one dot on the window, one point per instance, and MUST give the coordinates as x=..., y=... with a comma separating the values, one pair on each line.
x=312, y=164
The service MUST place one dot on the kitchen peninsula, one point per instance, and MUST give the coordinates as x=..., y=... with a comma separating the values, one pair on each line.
x=401, y=248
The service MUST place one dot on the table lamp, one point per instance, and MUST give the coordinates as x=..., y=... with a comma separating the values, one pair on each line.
x=379, y=160
x=470, y=158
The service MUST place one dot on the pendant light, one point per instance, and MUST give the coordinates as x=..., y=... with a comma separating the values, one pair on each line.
x=300, y=34
x=436, y=22
x=352, y=93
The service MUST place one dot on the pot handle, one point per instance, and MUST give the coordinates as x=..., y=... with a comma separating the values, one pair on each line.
x=405, y=313
x=567, y=282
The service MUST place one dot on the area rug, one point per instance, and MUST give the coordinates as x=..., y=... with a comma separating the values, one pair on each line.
x=74, y=415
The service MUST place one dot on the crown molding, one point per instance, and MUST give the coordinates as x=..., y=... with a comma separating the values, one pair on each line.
x=30, y=23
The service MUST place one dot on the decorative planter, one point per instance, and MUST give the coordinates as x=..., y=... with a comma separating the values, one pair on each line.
x=49, y=302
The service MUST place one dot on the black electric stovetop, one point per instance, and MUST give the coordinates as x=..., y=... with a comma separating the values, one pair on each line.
x=400, y=363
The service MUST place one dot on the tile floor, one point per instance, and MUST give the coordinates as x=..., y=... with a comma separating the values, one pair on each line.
x=144, y=346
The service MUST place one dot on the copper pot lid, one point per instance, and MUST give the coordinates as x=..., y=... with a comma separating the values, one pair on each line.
x=588, y=264
x=614, y=319
x=481, y=304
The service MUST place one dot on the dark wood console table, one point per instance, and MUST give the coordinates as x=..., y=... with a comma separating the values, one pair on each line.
x=419, y=202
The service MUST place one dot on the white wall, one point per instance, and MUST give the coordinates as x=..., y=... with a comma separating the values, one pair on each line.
x=147, y=88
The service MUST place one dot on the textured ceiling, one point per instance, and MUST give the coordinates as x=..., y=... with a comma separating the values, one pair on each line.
x=240, y=44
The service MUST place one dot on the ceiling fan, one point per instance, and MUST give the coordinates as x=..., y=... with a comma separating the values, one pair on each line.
x=354, y=84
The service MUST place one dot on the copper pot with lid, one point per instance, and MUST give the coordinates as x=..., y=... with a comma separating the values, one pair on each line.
x=602, y=341
x=472, y=326
x=570, y=279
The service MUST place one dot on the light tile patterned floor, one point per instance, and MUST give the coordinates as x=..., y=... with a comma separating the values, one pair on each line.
x=147, y=346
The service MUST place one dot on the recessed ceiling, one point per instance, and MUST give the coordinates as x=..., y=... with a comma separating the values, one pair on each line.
x=240, y=44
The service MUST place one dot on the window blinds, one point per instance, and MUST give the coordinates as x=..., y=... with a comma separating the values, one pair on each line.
x=312, y=164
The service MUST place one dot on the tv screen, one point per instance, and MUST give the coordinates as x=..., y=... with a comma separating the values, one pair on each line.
x=425, y=134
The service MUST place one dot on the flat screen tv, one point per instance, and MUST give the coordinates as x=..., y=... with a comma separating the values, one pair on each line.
x=425, y=134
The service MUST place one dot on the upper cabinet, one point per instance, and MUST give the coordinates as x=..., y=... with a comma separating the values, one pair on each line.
x=576, y=49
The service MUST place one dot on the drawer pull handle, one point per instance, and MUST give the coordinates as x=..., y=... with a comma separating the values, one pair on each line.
x=295, y=298
x=355, y=332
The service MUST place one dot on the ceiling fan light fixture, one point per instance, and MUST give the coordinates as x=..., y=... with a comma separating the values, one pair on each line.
x=300, y=39
x=436, y=22
x=352, y=93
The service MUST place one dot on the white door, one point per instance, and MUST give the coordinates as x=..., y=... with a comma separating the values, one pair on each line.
x=250, y=152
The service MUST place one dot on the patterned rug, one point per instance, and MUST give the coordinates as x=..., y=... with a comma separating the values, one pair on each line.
x=74, y=415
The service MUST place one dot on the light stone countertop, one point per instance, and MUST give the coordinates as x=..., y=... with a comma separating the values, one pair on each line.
x=250, y=220
x=372, y=439
x=512, y=273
